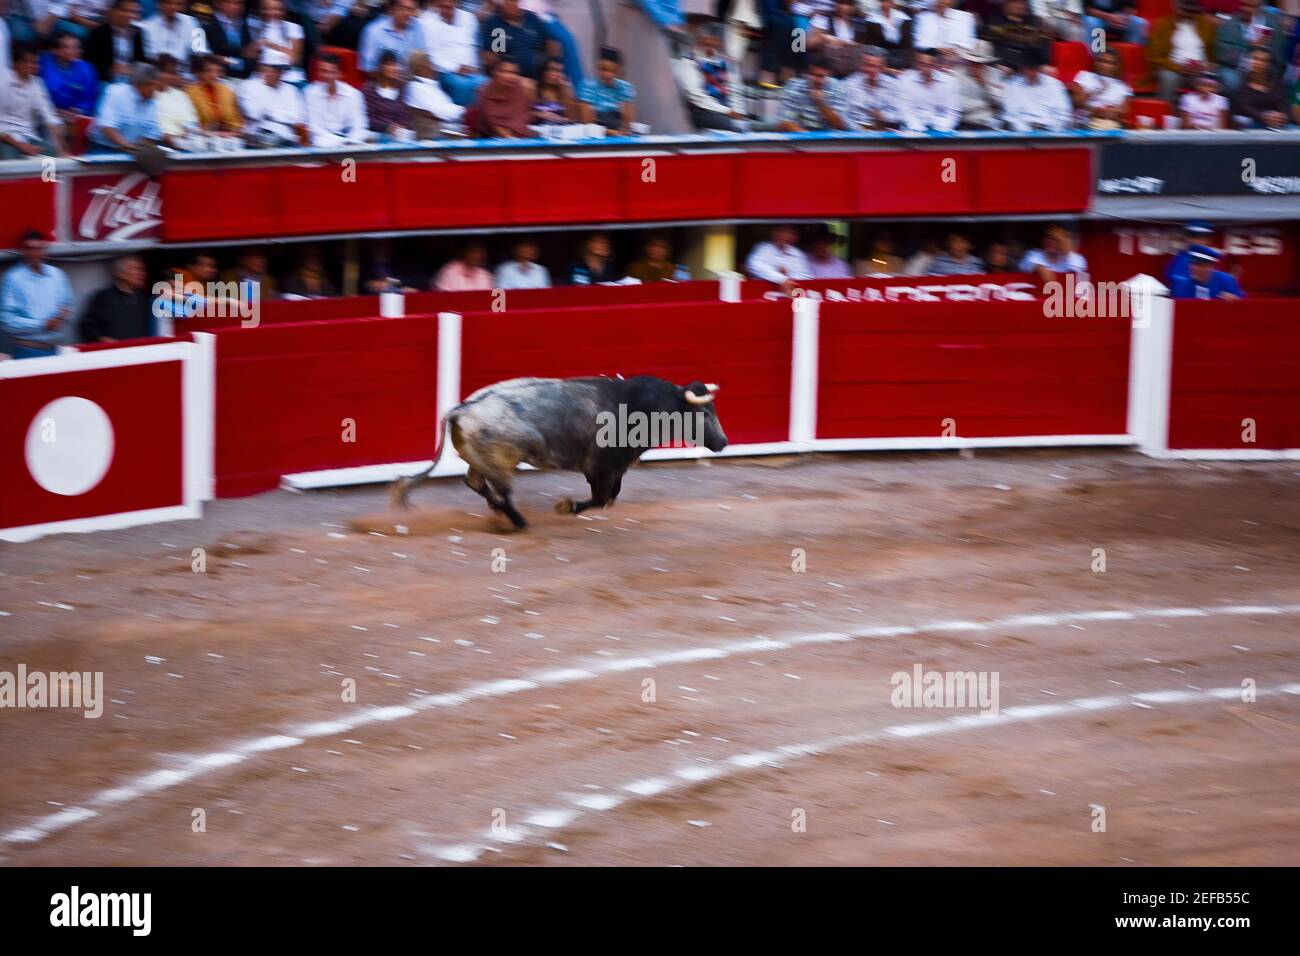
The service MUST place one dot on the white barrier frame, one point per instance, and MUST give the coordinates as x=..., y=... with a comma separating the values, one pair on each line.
x=197, y=424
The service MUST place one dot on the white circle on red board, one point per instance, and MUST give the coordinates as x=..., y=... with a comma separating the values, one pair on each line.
x=69, y=446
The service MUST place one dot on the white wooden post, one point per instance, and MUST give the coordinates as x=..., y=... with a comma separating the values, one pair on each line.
x=1150, y=362
x=806, y=312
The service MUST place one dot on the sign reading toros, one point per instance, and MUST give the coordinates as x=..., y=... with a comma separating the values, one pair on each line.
x=116, y=208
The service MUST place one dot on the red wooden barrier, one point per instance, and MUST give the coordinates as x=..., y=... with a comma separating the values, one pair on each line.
x=745, y=348
x=286, y=395
x=1234, y=361
x=996, y=369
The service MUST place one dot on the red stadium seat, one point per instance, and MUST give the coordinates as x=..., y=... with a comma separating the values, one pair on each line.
x=1070, y=58
x=1154, y=108
x=1134, y=66
x=77, y=131
x=347, y=64
x=1153, y=10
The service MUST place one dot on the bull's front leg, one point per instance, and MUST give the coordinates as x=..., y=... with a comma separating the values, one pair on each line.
x=604, y=489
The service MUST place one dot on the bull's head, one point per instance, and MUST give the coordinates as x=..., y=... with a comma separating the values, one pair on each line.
x=698, y=397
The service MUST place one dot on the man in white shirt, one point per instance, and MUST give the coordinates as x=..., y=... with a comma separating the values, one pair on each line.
x=425, y=95
x=336, y=112
x=6, y=39
x=1100, y=98
x=25, y=108
x=779, y=260
x=175, y=33
x=523, y=271
x=273, y=109
x=1033, y=100
x=708, y=81
x=1056, y=258
x=945, y=28
x=176, y=114
x=928, y=99
x=980, y=88
x=868, y=94
x=451, y=37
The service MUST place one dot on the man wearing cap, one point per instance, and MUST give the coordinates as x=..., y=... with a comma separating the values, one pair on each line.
x=35, y=301
x=1198, y=231
x=1205, y=280
x=980, y=87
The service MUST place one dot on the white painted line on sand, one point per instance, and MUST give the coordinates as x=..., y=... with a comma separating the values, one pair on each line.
x=192, y=766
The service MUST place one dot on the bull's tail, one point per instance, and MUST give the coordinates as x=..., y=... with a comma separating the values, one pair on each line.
x=400, y=490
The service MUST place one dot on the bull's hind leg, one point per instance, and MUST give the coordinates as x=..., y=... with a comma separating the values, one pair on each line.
x=474, y=478
x=502, y=484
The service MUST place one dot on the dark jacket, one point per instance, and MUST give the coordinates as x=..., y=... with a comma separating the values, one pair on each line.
x=101, y=53
x=233, y=53
x=114, y=314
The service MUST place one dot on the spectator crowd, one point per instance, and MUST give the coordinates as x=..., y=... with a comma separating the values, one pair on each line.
x=1018, y=65
x=135, y=75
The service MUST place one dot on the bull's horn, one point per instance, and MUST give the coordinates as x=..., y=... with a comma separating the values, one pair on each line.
x=712, y=387
x=698, y=399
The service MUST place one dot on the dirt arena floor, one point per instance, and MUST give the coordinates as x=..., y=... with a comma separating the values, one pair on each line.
x=657, y=684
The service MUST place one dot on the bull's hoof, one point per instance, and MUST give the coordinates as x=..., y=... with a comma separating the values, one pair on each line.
x=565, y=506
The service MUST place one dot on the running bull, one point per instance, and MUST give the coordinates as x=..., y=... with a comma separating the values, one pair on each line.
x=596, y=426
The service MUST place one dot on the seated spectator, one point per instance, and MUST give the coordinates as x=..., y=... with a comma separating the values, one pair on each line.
x=890, y=29
x=607, y=98
x=928, y=99
x=309, y=280
x=451, y=36
x=880, y=259
x=945, y=28
x=279, y=41
x=326, y=14
x=250, y=274
x=465, y=272
x=595, y=264
x=230, y=37
x=921, y=262
x=1056, y=258
x=778, y=259
x=523, y=271
x=980, y=89
x=1203, y=107
x=127, y=118
x=274, y=112
x=398, y=33
x=336, y=112
x=711, y=83
x=1252, y=26
x=1116, y=20
x=386, y=109
x=837, y=37
x=1261, y=97
x=29, y=124
x=555, y=103
x=655, y=264
x=1015, y=31
x=214, y=99
x=175, y=33
x=997, y=258
x=1180, y=47
x=1033, y=100
x=956, y=259
x=1101, y=97
x=177, y=116
x=348, y=31
x=122, y=309
x=823, y=263
x=1204, y=279
x=504, y=105
x=868, y=95
x=35, y=301
x=514, y=34
x=117, y=43
x=72, y=83
x=380, y=273
x=430, y=105
x=811, y=102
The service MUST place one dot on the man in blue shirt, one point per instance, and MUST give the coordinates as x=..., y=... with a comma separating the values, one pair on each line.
x=399, y=32
x=607, y=98
x=1204, y=279
x=35, y=301
x=128, y=113
x=1198, y=231
x=72, y=83
x=516, y=35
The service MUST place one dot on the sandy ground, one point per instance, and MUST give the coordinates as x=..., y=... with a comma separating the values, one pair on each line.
x=656, y=684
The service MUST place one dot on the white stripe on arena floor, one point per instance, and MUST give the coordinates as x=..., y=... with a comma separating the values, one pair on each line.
x=198, y=765
x=544, y=824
